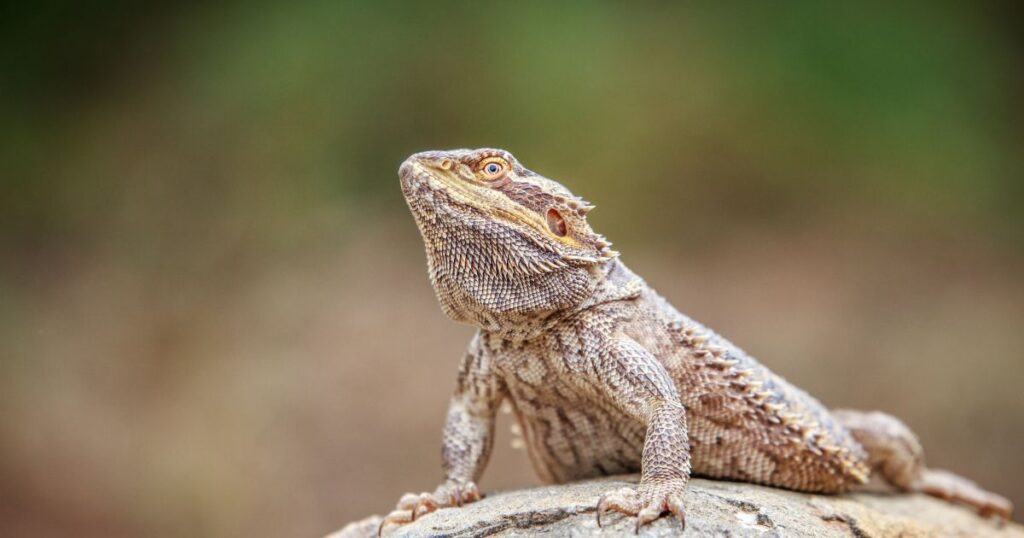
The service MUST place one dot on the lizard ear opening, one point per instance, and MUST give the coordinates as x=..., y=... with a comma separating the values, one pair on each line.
x=556, y=223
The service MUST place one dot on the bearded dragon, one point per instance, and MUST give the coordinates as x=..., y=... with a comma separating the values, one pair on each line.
x=605, y=376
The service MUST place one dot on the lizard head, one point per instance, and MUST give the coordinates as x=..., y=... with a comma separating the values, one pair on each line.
x=502, y=242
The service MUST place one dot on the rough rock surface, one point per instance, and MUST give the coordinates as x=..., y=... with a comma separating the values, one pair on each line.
x=714, y=508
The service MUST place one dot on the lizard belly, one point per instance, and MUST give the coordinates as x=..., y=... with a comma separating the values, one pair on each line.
x=570, y=436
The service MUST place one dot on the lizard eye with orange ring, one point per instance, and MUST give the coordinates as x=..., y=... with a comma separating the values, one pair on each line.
x=493, y=168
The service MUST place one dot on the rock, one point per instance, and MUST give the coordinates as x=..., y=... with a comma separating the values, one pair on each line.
x=714, y=508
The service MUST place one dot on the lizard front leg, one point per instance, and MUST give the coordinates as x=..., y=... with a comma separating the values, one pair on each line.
x=466, y=442
x=639, y=385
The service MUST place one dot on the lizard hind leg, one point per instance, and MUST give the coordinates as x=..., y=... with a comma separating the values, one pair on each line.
x=896, y=457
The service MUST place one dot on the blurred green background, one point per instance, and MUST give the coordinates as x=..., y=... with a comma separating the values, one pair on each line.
x=214, y=312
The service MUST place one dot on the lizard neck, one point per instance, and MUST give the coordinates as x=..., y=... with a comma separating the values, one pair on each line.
x=613, y=282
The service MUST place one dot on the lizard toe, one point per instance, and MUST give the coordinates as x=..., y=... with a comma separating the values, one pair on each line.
x=674, y=503
x=995, y=505
x=647, y=503
x=395, y=517
x=624, y=500
x=954, y=488
x=413, y=506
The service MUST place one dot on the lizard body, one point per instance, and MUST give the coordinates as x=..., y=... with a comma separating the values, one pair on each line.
x=604, y=375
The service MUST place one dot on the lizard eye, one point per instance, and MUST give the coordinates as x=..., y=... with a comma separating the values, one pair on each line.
x=556, y=223
x=493, y=168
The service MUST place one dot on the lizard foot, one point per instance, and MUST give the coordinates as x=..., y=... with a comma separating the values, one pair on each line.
x=954, y=488
x=412, y=505
x=647, y=502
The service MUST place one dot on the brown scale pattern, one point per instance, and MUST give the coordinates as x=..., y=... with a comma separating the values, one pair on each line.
x=604, y=375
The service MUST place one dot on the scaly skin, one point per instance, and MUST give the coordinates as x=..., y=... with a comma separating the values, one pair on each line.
x=604, y=375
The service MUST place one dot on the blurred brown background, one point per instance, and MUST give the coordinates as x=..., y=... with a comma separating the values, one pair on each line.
x=214, y=312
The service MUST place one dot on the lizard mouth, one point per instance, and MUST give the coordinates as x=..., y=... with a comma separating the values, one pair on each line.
x=418, y=177
x=422, y=181
x=409, y=174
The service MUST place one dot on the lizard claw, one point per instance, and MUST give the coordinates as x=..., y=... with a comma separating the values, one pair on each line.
x=412, y=506
x=647, y=502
